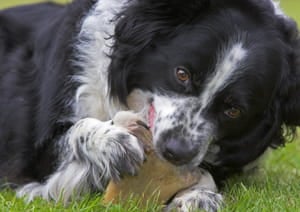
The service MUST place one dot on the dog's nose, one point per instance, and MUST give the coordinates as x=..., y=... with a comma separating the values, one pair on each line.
x=179, y=152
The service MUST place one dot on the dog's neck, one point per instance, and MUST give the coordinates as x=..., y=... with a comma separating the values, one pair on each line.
x=93, y=46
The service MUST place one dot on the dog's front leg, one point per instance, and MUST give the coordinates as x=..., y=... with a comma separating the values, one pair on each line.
x=91, y=153
x=202, y=196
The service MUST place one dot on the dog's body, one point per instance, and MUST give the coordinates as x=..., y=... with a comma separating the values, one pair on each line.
x=221, y=75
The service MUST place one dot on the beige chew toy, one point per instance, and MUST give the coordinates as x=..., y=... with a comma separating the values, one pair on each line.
x=156, y=177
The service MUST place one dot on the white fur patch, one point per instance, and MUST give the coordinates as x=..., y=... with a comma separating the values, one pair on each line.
x=92, y=158
x=102, y=147
x=165, y=108
x=225, y=70
x=174, y=112
x=197, y=199
x=200, y=196
x=71, y=181
x=93, y=45
x=277, y=8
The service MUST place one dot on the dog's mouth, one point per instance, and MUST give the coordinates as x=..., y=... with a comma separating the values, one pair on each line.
x=143, y=103
x=151, y=116
x=169, y=142
x=154, y=111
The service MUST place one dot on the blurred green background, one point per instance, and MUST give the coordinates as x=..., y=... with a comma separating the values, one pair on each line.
x=10, y=3
x=275, y=189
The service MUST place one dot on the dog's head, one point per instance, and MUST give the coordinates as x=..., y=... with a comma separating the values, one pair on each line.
x=223, y=75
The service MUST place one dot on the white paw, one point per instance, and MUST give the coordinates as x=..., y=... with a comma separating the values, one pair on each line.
x=111, y=148
x=195, y=198
x=92, y=153
x=30, y=191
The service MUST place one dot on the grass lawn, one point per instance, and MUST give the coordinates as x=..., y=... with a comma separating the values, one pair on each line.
x=275, y=187
x=10, y=3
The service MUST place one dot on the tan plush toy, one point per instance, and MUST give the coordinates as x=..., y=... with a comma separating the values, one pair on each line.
x=156, y=177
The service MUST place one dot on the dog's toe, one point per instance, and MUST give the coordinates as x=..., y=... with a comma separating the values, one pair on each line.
x=195, y=199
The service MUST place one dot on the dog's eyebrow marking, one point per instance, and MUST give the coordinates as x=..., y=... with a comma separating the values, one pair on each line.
x=226, y=68
x=277, y=9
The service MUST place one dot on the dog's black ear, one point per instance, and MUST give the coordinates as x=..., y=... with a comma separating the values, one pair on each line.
x=290, y=85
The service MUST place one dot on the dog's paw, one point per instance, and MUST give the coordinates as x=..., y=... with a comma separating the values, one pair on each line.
x=113, y=149
x=123, y=151
x=126, y=153
x=193, y=199
x=136, y=126
x=136, y=139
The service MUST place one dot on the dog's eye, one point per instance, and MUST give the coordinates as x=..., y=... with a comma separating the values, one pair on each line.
x=182, y=74
x=233, y=113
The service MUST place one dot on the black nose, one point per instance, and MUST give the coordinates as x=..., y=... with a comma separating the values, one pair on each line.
x=179, y=152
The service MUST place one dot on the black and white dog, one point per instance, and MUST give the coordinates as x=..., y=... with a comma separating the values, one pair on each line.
x=222, y=78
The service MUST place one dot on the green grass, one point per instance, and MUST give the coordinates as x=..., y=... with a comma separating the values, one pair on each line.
x=273, y=188
x=10, y=3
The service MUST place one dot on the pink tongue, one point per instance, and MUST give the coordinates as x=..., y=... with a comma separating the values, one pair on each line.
x=151, y=116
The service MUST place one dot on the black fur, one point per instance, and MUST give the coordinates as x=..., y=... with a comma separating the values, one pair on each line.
x=269, y=91
x=35, y=85
x=151, y=39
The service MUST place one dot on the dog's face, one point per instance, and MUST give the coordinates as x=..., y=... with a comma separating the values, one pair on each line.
x=207, y=88
x=216, y=79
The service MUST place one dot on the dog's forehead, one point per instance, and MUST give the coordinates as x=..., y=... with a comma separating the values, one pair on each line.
x=228, y=67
